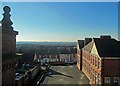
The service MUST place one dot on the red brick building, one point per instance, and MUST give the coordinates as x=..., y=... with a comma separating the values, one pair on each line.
x=80, y=45
x=101, y=61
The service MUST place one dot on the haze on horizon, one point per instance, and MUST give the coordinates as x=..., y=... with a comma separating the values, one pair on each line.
x=63, y=21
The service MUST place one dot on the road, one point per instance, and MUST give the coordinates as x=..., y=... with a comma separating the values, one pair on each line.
x=65, y=75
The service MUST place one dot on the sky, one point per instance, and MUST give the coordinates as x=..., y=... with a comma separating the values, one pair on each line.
x=63, y=21
x=60, y=0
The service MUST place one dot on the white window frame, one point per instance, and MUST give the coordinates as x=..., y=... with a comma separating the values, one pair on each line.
x=98, y=79
x=116, y=79
x=107, y=80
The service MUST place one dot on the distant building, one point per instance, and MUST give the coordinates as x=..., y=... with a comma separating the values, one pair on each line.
x=8, y=48
x=101, y=61
x=68, y=55
x=45, y=59
x=73, y=55
x=65, y=56
x=80, y=45
x=53, y=58
x=36, y=59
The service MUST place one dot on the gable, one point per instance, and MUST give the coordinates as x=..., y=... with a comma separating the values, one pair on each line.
x=78, y=46
x=94, y=50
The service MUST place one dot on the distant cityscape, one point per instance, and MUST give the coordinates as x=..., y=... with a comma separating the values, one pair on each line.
x=94, y=61
x=48, y=43
x=48, y=51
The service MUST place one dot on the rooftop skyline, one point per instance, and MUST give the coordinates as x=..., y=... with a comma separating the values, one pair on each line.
x=57, y=21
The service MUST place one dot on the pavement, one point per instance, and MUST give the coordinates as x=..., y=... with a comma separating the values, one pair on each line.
x=65, y=75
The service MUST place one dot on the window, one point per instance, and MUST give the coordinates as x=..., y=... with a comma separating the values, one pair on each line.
x=89, y=57
x=107, y=80
x=93, y=60
x=98, y=79
x=116, y=81
x=89, y=69
x=90, y=74
x=98, y=63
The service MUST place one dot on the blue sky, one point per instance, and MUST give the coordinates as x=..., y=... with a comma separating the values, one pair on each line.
x=57, y=21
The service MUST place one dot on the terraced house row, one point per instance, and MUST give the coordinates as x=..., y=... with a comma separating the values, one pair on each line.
x=99, y=59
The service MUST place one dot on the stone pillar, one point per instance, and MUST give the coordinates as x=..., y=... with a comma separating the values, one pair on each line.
x=8, y=48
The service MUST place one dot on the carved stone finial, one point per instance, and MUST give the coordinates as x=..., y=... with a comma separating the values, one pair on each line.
x=6, y=22
x=7, y=9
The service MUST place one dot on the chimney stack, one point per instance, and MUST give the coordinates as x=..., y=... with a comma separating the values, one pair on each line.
x=105, y=37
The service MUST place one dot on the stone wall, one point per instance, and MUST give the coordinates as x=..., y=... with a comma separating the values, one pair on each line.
x=8, y=76
x=8, y=38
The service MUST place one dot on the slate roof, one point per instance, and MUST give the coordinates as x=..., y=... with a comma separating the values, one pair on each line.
x=105, y=47
x=81, y=43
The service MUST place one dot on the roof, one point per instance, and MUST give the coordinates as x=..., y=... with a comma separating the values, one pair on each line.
x=107, y=47
x=81, y=43
x=89, y=46
x=18, y=76
x=87, y=40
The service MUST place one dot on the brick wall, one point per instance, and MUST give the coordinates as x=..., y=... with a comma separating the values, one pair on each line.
x=8, y=76
x=79, y=59
x=90, y=67
x=111, y=69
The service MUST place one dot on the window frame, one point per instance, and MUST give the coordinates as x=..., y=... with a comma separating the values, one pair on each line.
x=107, y=78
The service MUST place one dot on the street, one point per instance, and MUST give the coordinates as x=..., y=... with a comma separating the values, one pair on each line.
x=65, y=75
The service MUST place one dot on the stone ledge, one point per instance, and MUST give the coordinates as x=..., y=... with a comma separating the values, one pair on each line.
x=9, y=31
